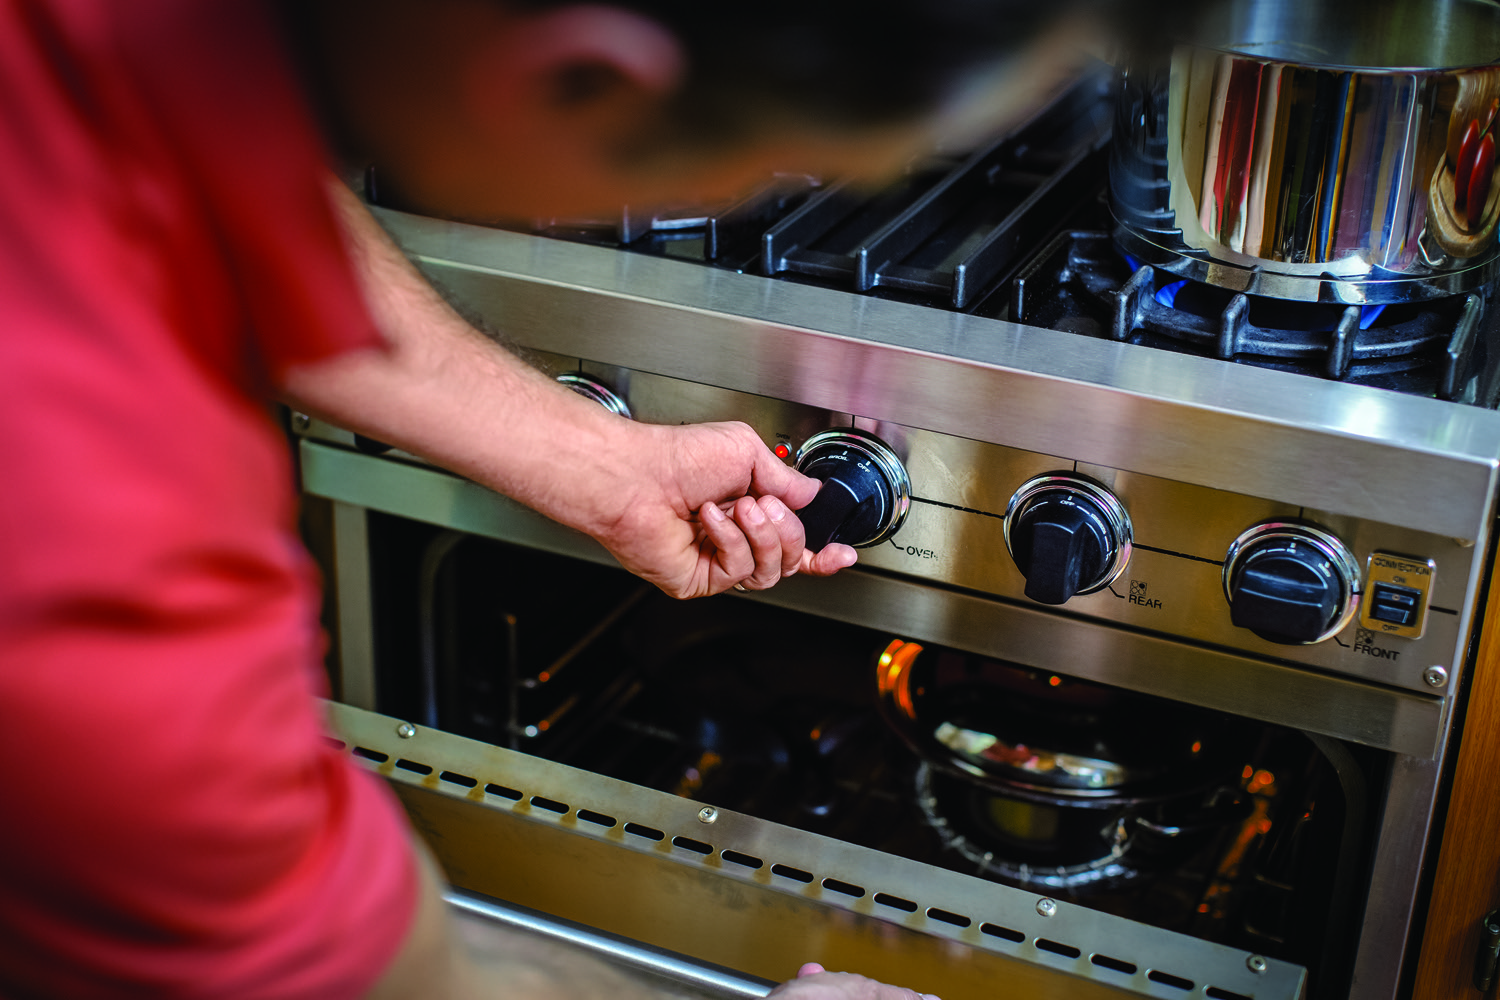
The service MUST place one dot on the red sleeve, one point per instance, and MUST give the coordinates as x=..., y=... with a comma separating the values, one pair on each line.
x=234, y=115
x=175, y=822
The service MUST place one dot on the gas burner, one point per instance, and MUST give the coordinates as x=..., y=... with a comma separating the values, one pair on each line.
x=1082, y=283
x=1026, y=843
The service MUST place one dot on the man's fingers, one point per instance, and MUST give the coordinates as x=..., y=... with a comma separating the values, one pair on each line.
x=833, y=557
x=789, y=529
x=763, y=536
x=732, y=559
x=810, y=969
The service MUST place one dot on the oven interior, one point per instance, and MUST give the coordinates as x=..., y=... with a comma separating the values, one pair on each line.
x=776, y=714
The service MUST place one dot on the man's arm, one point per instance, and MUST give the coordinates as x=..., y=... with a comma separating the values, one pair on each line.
x=694, y=509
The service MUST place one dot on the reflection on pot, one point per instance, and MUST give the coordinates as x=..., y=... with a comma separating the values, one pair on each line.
x=1464, y=197
x=1322, y=152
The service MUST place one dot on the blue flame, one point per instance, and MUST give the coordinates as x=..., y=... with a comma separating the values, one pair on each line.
x=1167, y=294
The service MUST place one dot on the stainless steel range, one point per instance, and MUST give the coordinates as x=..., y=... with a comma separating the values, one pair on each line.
x=1147, y=676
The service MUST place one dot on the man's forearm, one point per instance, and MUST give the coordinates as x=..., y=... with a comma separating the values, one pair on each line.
x=444, y=391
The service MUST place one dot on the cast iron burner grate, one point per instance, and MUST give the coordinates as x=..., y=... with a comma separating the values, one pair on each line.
x=1082, y=284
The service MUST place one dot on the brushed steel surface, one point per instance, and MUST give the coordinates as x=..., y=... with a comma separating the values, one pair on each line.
x=1406, y=721
x=954, y=538
x=643, y=864
x=1366, y=453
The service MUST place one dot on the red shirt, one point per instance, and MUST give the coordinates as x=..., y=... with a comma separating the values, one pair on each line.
x=174, y=822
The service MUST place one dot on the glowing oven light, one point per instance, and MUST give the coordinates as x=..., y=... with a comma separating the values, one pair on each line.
x=895, y=667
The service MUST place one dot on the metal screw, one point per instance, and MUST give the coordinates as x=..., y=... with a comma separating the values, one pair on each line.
x=1046, y=907
x=707, y=814
x=1435, y=676
x=1256, y=964
x=406, y=730
x=301, y=421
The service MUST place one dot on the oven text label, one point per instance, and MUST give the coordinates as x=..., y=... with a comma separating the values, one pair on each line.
x=912, y=550
x=1138, y=596
x=1375, y=651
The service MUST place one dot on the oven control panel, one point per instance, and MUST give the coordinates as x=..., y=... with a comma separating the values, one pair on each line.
x=1311, y=587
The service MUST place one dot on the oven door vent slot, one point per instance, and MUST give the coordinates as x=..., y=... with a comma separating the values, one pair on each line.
x=895, y=902
x=795, y=874
x=743, y=860
x=1167, y=979
x=947, y=917
x=696, y=846
x=1214, y=993
x=414, y=766
x=1058, y=948
x=503, y=792
x=836, y=885
x=1114, y=964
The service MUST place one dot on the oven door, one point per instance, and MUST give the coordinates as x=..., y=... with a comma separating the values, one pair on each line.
x=706, y=889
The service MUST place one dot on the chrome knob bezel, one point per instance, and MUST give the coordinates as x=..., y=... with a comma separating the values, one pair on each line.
x=1329, y=545
x=600, y=393
x=1115, y=516
x=886, y=462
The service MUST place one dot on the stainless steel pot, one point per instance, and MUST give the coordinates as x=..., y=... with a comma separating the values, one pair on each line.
x=1051, y=781
x=1310, y=149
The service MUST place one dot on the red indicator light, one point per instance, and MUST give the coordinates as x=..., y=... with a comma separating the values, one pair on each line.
x=781, y=450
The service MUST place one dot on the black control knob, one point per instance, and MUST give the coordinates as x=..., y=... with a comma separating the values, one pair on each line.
x=1290, y=583
x=1068, y=535
x=865, y=490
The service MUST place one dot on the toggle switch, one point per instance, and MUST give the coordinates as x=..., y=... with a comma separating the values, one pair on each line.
x=1397, y=605
x=1397, y=592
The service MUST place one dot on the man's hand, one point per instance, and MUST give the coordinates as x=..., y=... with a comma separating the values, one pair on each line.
x=713, y=509
x=813, y=983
